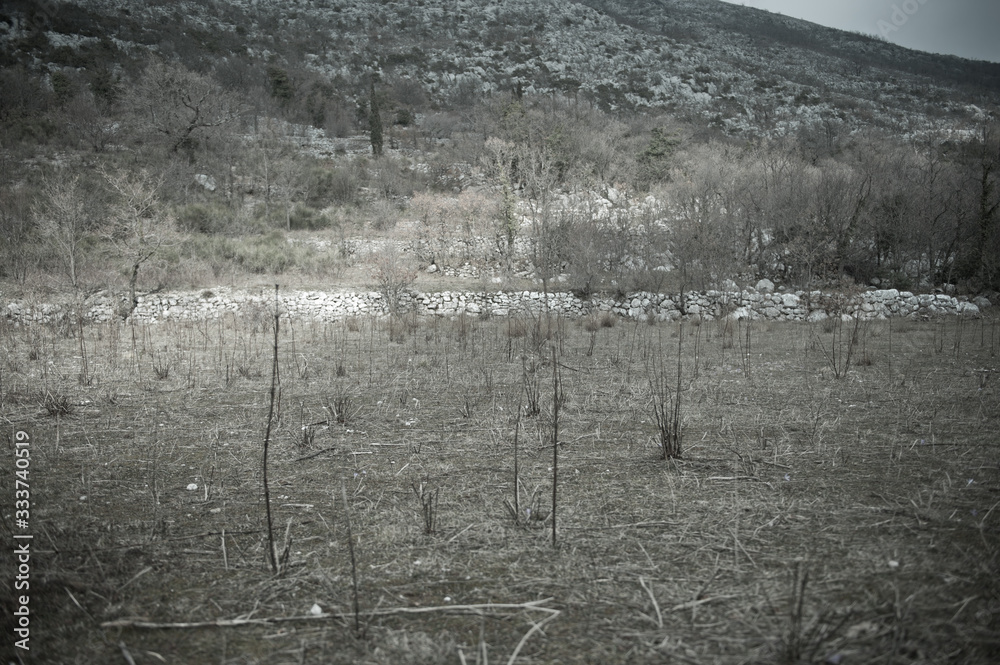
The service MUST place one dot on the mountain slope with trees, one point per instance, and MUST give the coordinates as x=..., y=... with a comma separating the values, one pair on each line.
x=762, y=145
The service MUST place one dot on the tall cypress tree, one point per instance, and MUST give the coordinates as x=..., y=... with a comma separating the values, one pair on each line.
x=375, y=122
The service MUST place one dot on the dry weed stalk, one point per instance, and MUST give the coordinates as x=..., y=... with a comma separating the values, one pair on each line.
x=556, y=402
x=428, y=505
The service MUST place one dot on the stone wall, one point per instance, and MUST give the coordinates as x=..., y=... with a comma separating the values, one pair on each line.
x=332, y=306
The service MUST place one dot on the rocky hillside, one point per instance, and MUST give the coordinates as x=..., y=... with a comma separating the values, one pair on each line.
x=738, y=69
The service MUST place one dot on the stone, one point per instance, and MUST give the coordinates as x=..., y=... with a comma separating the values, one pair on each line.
x=790, y=300
x=765, y=286
x=967, y=309
x=206, y=181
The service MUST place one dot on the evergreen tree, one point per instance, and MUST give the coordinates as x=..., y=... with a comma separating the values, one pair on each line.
x=375, y=122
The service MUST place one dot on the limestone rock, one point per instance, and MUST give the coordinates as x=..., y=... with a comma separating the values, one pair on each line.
x=765, y=286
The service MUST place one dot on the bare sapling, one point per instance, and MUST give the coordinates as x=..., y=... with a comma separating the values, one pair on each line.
x=556, y=400
x=515, y=508
x=846, y=338
x=355, y=596
x=272, y=552
x=529, y=376
x=745, y=338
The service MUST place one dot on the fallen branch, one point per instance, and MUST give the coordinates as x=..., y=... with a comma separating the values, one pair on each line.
x=316, y=454
x=691, y=604
x=479, y=610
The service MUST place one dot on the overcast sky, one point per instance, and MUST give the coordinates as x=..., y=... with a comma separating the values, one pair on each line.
x=968, y=28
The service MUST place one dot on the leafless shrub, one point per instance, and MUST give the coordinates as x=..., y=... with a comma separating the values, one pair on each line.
x=161, y=368
x=666, y=413
x=847, y=338
x=393, y=275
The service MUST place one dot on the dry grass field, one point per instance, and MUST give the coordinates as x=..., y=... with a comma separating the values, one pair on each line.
x=824, y=509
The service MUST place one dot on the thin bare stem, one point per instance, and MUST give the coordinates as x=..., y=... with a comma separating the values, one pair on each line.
x=267, y=440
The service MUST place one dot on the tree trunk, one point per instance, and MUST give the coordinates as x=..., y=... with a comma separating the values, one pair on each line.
x=133, y=300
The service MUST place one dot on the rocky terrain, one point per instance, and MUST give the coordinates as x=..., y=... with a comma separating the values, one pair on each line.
x=737, y=69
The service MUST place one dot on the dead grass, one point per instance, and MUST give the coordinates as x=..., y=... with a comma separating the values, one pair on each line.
x=811, y=519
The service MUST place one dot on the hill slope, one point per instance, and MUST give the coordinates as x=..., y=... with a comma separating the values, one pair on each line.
x=739, y=68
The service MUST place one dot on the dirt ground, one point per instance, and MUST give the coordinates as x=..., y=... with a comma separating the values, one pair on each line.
x=834, y=501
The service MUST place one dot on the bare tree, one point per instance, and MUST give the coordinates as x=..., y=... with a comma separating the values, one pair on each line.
x=181, y=106
x=17, y=231
x=500, y=161
x=65, y=218
x=88, y=119
x=537, y=173
x=983, y=264
x=277, y=169
x=138, y=224
x=704, y=240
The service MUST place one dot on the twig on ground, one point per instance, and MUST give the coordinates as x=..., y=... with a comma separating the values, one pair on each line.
x=487, y=609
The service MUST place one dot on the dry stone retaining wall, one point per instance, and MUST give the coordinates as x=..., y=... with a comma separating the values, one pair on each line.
x=331, y=306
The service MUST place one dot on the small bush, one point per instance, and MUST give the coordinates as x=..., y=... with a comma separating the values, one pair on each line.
x=304, y=217
x=204, y=218
x=384, y=215
x=334, y=186
x=266, y=254
x=393, y=275
x=57, y=404
x=259, y=255
x=517, y=328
